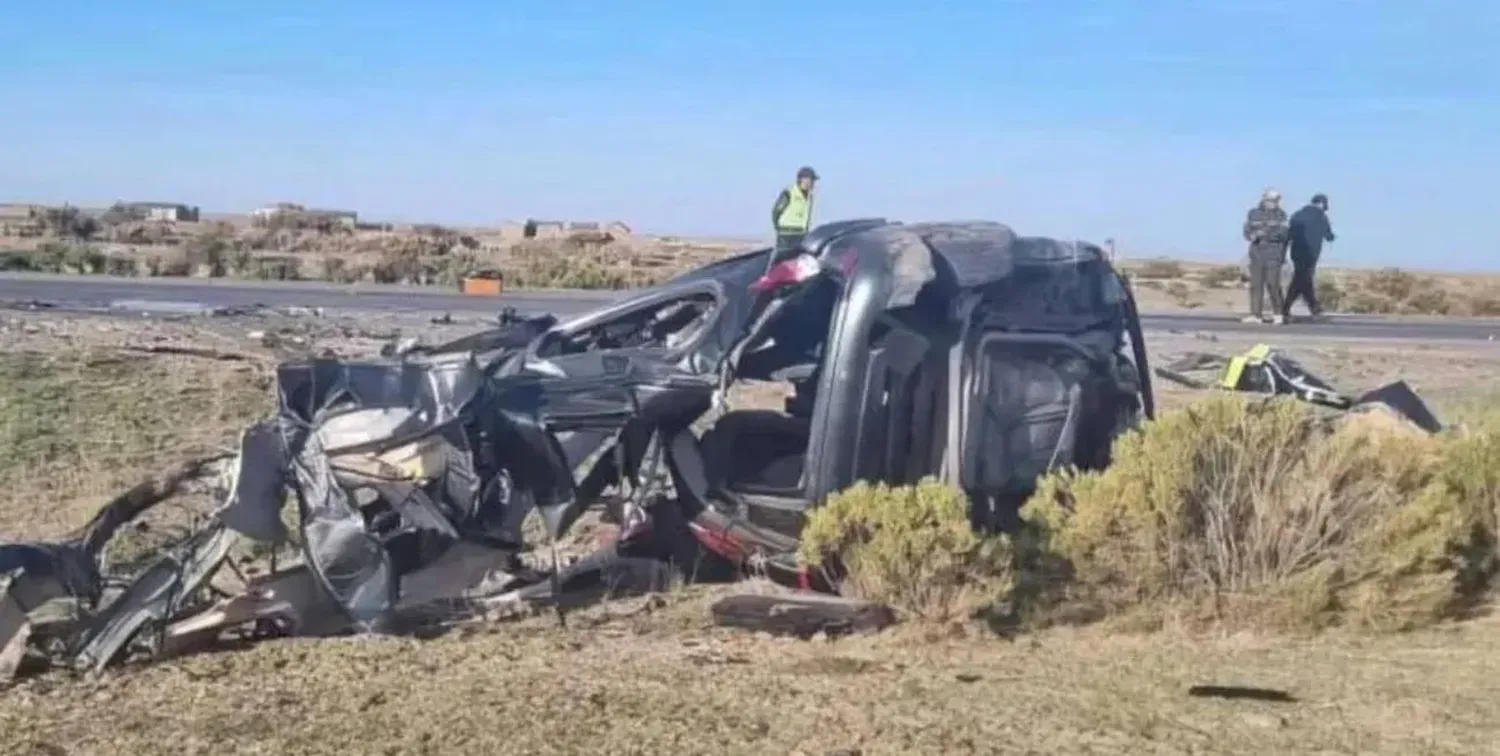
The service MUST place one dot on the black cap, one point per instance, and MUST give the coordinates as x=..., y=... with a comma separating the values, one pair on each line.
x=806, y=171
x=1320, y=199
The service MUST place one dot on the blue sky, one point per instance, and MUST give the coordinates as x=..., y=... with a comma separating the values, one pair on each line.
x=1155, y=122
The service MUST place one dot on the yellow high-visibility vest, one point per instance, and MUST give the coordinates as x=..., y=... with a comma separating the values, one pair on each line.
x=797, y=215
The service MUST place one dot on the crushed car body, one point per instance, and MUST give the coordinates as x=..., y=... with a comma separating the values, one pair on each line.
x=954, y=349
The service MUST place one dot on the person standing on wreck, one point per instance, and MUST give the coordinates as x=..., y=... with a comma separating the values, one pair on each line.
x=1267, y=231
x=791, y=215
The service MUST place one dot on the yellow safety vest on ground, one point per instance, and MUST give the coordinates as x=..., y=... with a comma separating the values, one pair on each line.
x=797, y=215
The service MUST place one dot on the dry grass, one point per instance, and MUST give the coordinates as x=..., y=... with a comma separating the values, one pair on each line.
x=78, y=426
x=1255, y=513
x=1159, y=270
x=662, y=682
x=428, y=255
x=653, y=677
x=1390, y=291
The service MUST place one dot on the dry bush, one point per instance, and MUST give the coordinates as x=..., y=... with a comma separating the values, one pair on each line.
x=426, y=255
x=409, y=266
x=59, y=257
x=566, y=265
x=1395, y=291
x=1392, y=284
x=1330, y=295
x=120, y=265
x=1183, y=295
x=1161, y=270
x=1222, y=277
x=1264, y=513
x=1430, y=301
x=209, y=253
x=1484, y=303
x=274, y=268
x=339, y=270
x=910, y=547
x=170, y=262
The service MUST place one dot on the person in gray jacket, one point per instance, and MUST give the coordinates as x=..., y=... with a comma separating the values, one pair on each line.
x=1267, y=231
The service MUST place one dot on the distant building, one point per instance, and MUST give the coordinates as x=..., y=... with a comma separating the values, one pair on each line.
x=555, y=229
x=345, y=218
x=545, y=229
x=293, y=215
x=19, y=211
x=22, y=219
x=169, y=212
x=263, y=214
x=510, y=231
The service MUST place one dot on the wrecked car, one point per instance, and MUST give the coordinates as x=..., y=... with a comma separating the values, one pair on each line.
x=954, y=349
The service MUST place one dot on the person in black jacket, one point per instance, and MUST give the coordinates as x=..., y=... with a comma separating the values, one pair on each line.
x=1309, y=228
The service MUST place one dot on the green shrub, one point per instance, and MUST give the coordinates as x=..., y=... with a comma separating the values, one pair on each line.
x=52, y=256
x=1264, y=513
x=19, y=260
x=910, y=547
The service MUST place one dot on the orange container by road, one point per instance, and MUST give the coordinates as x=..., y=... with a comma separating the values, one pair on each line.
x=486, y=283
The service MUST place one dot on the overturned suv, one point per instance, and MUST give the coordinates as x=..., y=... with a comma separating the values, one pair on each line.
x=953, y=349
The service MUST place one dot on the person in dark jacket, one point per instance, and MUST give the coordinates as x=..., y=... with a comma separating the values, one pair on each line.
x=1266, y=230
x=791, y=214
x=1309, y=228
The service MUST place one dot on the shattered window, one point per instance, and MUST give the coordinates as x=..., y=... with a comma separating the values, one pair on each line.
x=668, y=325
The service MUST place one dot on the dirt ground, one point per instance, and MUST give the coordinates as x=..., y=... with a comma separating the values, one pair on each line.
x=80, y=418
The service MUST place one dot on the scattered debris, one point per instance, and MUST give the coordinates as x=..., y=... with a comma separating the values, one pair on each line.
x=28, y=304
x=191, y=351
x=1265, y=370
x=399, y=347
x=802, y=614
x=184, y=308
x=1240, y=693
x=1403, y=399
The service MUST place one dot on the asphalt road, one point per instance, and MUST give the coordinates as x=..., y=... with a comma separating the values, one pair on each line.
x=188, y=295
